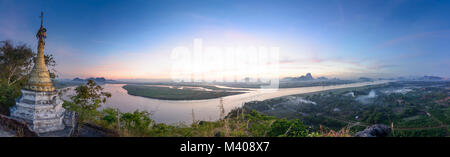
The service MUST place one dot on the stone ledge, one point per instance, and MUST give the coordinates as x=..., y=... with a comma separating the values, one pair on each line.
x=19, y=126
x=70, y=123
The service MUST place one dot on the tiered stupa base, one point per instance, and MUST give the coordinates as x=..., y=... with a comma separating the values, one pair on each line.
x=42, y=110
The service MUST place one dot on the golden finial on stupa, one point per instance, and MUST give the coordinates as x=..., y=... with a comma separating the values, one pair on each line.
x=39, y=76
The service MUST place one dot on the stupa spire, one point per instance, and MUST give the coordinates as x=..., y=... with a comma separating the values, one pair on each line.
x=42, y=19
x=39, y=76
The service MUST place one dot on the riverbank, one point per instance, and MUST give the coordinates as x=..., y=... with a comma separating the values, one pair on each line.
x=177, y=92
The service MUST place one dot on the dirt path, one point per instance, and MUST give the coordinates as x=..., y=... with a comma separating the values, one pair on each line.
x=350, y=123
x=422, y=128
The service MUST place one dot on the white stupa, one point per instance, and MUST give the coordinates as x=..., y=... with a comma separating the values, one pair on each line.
x=40, y=105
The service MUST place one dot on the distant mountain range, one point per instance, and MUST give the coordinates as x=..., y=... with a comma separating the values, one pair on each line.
x=309, y=77
x=306, y=77
x=97, y=79
x=430, y=78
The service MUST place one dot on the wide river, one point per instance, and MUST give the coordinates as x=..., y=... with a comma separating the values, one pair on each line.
x=175, y=111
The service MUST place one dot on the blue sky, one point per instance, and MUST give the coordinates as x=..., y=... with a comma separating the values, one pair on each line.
x=333, y=38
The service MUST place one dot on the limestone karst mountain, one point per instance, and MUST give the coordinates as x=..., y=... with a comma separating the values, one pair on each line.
x=306, y=77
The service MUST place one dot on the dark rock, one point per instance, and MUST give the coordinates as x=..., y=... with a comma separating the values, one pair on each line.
x=92, y=130
x=377, y=130
x=78, y=80
x=17, y=125
x=309, y=76
x=201, y=122
x=218, y=134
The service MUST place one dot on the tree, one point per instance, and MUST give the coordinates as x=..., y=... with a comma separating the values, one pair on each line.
x=138, y=120
x=287, y=128
x=110, y=115
x=8, y=95
x=87, y=100
x=90, y=96
x=15, y=62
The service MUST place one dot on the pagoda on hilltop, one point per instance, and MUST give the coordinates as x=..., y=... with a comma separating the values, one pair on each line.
x=39, y=105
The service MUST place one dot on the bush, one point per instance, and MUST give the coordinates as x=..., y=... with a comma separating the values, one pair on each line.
x=287, y=128
x=8, y=96
x=138, y=120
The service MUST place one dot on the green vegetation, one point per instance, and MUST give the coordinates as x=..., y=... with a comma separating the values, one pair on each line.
x=88, y=98
x=167, y=93
x=442, y=115
x=414, y=108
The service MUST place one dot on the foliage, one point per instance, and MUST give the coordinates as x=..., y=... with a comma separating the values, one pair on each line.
x=87, y=100
x=287, y=128
x=136, y=120
x=442, y=115
x=84, y=115
x=51, y=64
x=110, y=115
x=90, y=96
x=15, y=62
x=8, y=94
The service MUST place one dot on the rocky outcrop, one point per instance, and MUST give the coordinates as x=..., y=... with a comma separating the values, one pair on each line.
x=18, y=126
x=92, y=130
x=377, y=130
